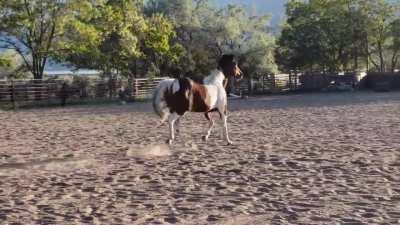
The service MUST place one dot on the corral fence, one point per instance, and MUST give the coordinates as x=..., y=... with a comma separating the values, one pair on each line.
x=143, y=88
x=268, y=83
x=381, y=81
x=377, y=81
x=319, y=81
x=133, y=89
x=19, y=92
x=25, y=92
x=322, y=81
x=297, y=81
x=16, y=91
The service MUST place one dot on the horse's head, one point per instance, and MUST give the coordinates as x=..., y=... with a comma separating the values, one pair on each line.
x=229, y=67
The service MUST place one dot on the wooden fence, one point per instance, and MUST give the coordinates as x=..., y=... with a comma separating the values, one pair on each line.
x=268, y=84
x=143, y=88
x=15, y=91
x=381, y=81
x=317, y=81
x=18, y=91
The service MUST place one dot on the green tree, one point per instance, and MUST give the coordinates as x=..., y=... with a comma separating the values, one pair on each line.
x=189, y=19
x=395, y=44
x=334, y=35
x=159, y=46
x=206, y=32
x=115, y=37
x=317, y=35
x=102, y=35
x=4, y=61
x=248, y=37
x=30, y=28
x=381, y=29
x=11, y=66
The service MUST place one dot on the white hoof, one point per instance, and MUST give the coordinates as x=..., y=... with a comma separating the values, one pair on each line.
x=205, y=138
x=169, y=141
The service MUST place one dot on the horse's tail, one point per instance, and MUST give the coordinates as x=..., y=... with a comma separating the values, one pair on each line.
x=159, y=99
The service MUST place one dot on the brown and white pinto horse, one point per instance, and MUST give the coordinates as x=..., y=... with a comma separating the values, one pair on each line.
x=174, y=97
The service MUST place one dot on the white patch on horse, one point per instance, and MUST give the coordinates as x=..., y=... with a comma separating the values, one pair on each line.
x=215, y=89
x=159, y=103
x=175, y=86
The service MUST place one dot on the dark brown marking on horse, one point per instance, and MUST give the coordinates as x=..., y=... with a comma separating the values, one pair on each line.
x=207, y=115
x=191, y=96
x=200, y=98
x=180, y=101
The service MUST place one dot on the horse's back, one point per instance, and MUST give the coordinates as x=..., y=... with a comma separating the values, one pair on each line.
x=183, y=94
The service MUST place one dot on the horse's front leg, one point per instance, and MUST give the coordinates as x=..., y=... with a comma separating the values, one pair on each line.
x=171, y=120
x=224, y=118
x=211, y=125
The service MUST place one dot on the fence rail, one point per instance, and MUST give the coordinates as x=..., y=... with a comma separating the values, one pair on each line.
x=18, y=91
x=268, y=84
x=143, y=88
x=25, y=91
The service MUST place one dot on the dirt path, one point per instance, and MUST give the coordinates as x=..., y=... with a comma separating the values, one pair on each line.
x=297, y=159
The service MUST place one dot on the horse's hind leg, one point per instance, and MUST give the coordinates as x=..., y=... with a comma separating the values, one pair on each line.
x=211, y=125
x=163, y=119
x=178, y=125
x=171, y=120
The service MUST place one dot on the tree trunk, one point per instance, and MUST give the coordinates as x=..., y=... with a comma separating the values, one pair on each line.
x=381, y=58
x=394, y=62
x=366, y=52
x=355, y=59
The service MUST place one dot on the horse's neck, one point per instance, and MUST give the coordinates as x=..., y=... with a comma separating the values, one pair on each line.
x=215, y=78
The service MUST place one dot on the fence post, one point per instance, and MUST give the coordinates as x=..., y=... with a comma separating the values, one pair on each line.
x=273, y=82
x=13, y=97
x=249, y=86
x=136, y=88
x=110, y=87
x=48, y=92
x=262, y=83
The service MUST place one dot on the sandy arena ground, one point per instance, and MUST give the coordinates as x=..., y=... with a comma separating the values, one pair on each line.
x=297, y=159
